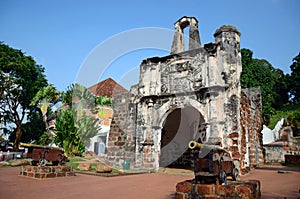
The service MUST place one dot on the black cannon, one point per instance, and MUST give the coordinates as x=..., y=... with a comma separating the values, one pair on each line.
x=212, y=163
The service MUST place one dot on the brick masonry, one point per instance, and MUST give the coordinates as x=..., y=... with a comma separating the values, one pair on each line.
x=38, y=172
x=251, y=123
x=244, y=190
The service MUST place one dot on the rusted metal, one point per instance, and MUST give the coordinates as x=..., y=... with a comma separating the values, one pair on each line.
x=212, y=163
x=40, y=155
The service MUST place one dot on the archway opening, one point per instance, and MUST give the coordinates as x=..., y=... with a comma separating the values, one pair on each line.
x=180, y=127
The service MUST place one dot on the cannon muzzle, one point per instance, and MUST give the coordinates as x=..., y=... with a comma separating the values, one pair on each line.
x=195, y=145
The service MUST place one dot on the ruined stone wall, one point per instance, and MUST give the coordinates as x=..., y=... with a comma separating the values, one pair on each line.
x=121, y=139
x=274, y=153
x=251, y=126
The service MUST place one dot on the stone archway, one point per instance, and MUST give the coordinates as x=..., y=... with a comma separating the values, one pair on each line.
x=179, y=127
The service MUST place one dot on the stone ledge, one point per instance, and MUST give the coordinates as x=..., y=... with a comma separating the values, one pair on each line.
x=38, y=172
x=240, y=189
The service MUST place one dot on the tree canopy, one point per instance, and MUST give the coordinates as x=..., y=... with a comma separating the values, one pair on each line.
x=20, y=79
x=278, y=89
x=295, y=79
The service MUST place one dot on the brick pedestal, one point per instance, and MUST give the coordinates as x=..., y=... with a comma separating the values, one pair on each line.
x=46, y=171
x=242, y=189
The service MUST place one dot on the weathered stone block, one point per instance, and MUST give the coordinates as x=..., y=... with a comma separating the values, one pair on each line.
x=184, y=187
x=66, y=168
x=45, y=169
x=50, y=175
x=205, y=189
x=24, y=173
x=237, y=190
x=61, y=174
x=30, y=174
x=29, y=168
x=40, y=175
x=84, y=167
x=233, y=135
x=181, y=196
x=70, y=174
x=225, y=190
x=20, y=162
x=243, y=191
x=103, y=169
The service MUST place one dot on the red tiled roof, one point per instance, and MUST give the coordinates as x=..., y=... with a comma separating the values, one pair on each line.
x=108, y=88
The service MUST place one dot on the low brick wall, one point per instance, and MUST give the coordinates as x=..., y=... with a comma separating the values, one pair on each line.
x=47, y=171
x=246, y=190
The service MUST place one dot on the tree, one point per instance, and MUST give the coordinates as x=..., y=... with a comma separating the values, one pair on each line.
x=78, y=95
x=66, y=135
x=32, y=129
x=78, y=117
x=45, y=98
x=282, y=88
x=20, y=79
x=257, y=73
x=103, y=101
x=295, y=77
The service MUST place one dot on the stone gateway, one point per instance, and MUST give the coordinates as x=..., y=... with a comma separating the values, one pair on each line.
x=192, y=94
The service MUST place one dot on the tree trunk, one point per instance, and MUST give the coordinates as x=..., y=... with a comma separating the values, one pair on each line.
x=18, y=138
x=46, y=124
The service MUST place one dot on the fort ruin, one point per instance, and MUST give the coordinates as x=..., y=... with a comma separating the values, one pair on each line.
x=192, y=94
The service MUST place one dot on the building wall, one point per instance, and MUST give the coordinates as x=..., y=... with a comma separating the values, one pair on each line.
x=101, y=139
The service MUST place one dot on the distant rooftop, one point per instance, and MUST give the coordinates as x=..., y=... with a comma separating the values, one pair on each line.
x=108, y=88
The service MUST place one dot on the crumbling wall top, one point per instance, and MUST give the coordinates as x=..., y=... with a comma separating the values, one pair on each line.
x=227, y=28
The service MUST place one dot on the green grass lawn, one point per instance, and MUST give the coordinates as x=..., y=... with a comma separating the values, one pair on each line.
x=73, y=162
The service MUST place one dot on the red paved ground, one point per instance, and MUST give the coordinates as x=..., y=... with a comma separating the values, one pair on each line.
x=277, y=185
x=144, y=186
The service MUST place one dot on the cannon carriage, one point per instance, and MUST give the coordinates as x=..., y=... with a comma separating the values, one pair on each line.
x=40, y=155
x=212, y=163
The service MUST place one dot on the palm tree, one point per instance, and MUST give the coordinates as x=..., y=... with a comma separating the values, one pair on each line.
x=45, y=98
x=44, y=105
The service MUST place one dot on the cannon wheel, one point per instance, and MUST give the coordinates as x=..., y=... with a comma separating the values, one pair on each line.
x=43, y=162
x=222, y=177
x=235, y=174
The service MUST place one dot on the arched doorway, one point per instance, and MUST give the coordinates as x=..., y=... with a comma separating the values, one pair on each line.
x=180, y=127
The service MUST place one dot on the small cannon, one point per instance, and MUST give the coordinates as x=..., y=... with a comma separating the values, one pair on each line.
x=41, y=154
x=212, y=163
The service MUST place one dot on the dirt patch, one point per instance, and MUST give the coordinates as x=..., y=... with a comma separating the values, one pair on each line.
x=176, y=171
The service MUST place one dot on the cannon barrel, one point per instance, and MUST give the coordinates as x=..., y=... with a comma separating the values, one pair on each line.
x=196, y=145
x=39, y=146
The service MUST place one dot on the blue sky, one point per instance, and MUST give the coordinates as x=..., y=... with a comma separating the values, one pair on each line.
x=62, y=35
